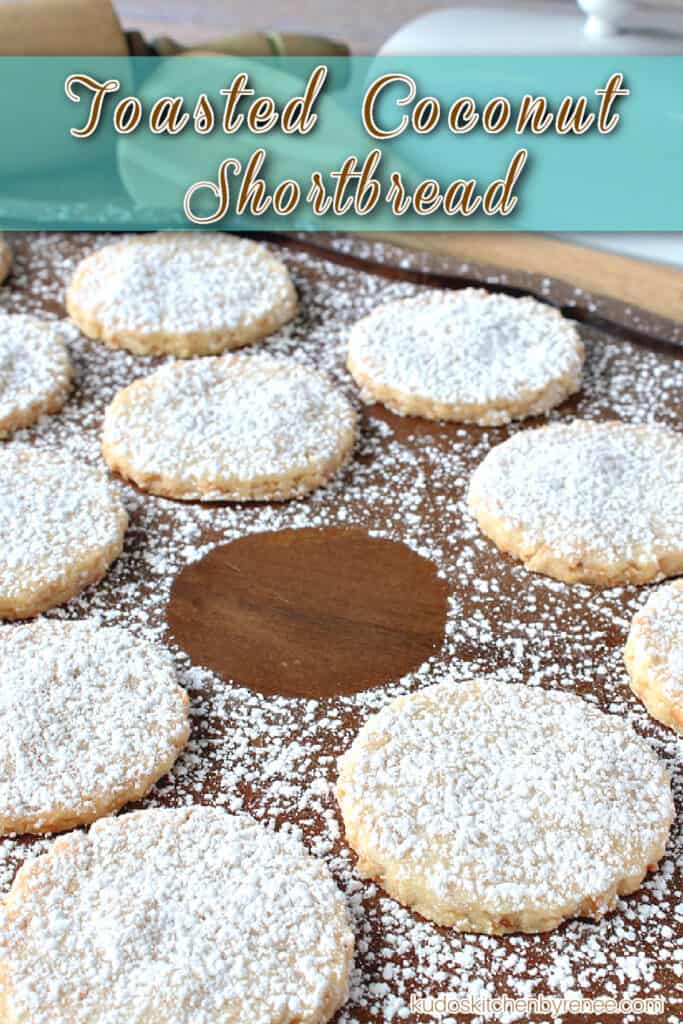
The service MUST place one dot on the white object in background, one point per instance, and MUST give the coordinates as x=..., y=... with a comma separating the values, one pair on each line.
x=550, y=29
x=605, y=17
x=608, y=17
x=540, y=28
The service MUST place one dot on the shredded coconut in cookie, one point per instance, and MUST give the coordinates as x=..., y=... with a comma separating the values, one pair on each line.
x=654, y=654
x=232, y=427
x=192, y=916
x=35, y=370
x=602, y=499
x=660, y=632
x=61, y=525
x=467, y=355
x=187, y=293
x=496, y=807
x=90, y=718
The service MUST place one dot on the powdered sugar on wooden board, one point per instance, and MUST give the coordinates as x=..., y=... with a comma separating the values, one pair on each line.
x=276, y=758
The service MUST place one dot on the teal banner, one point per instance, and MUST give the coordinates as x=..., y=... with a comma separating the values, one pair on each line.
x=459, y=143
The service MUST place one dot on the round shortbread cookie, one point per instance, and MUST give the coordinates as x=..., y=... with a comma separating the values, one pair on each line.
x=187, y=916
x=654, y=654
x=5, y=259
x=61, y=526
x=231, y=428
x=35, y=370
x=471, y=356
x=586, y=502
x=183, y=293
x=90, y=719
x=492, y=807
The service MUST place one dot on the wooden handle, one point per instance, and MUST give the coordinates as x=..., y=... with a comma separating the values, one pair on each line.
x=39, y=28
x=650, y=286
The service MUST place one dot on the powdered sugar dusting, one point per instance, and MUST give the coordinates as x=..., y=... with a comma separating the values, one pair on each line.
x=87, y=715
x=246, y=926
x=501, y=806
x=163, y=286
x=59, y=520
x=244, y=425
x=35, y=369
x=467, y=355
x=658, y=634
x=276, y=758
x=599, y=494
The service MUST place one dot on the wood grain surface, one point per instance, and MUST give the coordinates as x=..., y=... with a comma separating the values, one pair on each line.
x=312, y=613
x=641, y=283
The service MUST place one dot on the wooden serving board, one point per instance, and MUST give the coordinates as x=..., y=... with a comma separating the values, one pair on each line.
x=630, y=282
x=390, y=534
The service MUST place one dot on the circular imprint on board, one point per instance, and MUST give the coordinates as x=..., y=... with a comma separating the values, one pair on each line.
x=309, y=613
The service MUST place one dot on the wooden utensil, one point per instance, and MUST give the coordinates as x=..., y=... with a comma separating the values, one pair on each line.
x=42, y=28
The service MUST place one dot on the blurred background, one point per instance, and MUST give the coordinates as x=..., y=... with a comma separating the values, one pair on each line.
x=368, y=27
x=365, y=27
x=364, y=24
